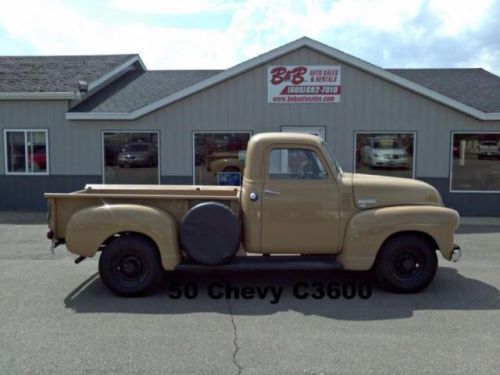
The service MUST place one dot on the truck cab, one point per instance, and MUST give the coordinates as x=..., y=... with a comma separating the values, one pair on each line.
x=291, y=196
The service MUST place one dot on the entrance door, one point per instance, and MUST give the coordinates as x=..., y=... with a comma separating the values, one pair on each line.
x=300, y=204
x=319, y=130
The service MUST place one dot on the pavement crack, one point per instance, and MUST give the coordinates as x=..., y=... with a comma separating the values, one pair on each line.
x=235, y=339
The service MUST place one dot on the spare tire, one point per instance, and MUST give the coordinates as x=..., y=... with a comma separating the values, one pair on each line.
x=210, y=233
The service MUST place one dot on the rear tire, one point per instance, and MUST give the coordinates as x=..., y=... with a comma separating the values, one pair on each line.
x=130, y=266
x=406, y=264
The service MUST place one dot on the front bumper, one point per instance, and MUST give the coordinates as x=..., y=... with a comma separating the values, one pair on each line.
x=390, y=163
x=132, y=162
x=489, y=154
x=456, y=254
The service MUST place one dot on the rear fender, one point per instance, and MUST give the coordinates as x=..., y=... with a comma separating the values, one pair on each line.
x=90, y=227
x=367, y=230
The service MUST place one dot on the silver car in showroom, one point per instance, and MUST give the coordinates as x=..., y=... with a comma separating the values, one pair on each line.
x=385, y=152
x=138, y=154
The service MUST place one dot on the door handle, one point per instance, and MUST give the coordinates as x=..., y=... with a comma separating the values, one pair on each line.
x=271, y=192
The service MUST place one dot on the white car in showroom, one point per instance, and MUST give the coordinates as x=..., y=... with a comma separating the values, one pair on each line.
x=385, y=152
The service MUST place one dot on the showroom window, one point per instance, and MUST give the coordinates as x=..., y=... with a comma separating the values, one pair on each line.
x=219, y=157
x=475, y=162
x=295, y=164
x=26, y=151
x=387, y=154
x=131, y=158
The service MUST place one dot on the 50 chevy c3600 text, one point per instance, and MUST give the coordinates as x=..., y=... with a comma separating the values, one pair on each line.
x=294, y=200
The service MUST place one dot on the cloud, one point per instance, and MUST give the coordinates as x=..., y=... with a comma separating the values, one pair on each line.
x=162, y=7
x=413, y=33
x=75, y=33
x=410, y=33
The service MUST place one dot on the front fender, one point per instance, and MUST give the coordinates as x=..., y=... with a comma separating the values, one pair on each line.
x=367, y=230
x=90, y=227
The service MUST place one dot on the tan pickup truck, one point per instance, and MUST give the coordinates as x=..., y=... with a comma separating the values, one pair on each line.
x=296, y=208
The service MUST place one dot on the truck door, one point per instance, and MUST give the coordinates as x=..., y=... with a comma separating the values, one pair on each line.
x=300, y=203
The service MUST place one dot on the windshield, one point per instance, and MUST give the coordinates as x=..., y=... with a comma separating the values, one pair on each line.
x=331, y=159
x=135, y=147
x=387, y=144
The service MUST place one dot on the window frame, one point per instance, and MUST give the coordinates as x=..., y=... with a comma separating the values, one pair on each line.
x=193, y=144
x=103, y=156
x=414, y=158
x=450, y=155
x=25, y=131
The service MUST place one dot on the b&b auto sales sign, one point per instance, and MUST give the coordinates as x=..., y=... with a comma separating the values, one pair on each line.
x=303, y=84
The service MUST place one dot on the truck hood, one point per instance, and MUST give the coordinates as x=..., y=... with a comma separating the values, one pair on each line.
x=380, y=191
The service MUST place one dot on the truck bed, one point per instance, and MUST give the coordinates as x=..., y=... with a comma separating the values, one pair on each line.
x=150, y=191
x=174, y=199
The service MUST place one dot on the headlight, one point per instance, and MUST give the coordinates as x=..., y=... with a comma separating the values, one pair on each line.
x=377, y=154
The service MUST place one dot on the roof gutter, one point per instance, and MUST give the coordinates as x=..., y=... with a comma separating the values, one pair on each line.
x=492, y=116
x=64, y=95
x=99, y=116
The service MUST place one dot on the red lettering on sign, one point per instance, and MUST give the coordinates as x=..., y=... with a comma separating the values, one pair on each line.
x=282, y=74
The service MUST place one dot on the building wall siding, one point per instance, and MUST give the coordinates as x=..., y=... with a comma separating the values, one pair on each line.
x=467, y=204
x=26, y=192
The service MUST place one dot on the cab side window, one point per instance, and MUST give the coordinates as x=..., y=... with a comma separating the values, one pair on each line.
x=295, y=164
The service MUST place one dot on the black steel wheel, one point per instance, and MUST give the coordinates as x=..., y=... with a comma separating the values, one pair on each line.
x=130, y=266
x=407, y=263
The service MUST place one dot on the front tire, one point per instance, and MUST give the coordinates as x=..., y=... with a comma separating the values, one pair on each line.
x=406, y=263
x=130, y=266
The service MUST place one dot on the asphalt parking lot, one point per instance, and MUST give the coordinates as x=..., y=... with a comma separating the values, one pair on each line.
x=58, y=318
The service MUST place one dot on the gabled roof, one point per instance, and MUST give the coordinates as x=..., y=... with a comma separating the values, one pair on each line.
x=48, y=75
x=136, y=89
x=477, y=88
x=340, y=56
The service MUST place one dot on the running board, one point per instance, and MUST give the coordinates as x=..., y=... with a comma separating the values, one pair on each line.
x=269, y=263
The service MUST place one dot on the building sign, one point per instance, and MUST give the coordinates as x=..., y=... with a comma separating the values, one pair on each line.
x=303, y=84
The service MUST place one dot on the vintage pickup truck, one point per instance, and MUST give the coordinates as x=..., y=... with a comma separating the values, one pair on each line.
x=296, y=208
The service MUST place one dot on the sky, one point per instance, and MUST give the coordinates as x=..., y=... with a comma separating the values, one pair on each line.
x=216, y=34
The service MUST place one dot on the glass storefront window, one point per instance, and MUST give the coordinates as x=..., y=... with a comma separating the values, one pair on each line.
x=219, y=158
x=388, y=154
x=131, y=158
x=475, y=162
x=26, y=151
